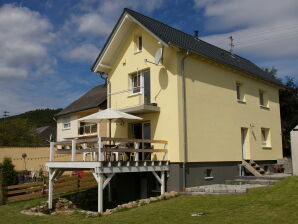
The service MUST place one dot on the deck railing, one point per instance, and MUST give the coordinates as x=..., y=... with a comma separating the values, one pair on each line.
x=112, y=149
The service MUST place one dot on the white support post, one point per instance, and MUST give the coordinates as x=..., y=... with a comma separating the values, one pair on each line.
x=50, y=199
x=165, y=156
x=163, y=184
x=73, y=149
x=99, y=178
x=52, y=175
x=52, y=151
x=100, y=156
x=109, y=192
x=161, y=180
x=107, y=181
x=100, y=194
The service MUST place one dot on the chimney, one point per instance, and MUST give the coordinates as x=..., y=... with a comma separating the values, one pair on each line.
x=196, y=34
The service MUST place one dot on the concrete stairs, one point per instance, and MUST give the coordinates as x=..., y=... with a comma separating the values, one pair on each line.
x=253, y=168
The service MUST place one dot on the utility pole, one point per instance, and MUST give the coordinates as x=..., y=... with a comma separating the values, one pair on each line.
x=1, y=187
x=231, y=44
x=5, y=115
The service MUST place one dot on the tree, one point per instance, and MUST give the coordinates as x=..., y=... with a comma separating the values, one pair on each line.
x=288, y=100
x=10, y=176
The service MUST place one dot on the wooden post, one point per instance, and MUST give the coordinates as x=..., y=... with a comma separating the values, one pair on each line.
x=73, y=149
x=163, y=184
x=100, y=193
x=1, y=187
x=52, y=151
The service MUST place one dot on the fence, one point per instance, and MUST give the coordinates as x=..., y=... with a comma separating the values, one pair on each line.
x=33, y=190
x=35, y=159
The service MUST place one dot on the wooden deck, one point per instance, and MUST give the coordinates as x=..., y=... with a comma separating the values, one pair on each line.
x=103, y=165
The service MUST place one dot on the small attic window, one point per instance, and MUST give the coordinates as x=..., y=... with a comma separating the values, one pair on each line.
x=139, y=44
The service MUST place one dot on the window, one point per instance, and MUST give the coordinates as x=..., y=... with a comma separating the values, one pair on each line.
x=265, y=137
x=208, y=174
x=136, y=83
x=263, y=98
x=261, y=94
x=239, y=92
x=139, y=44
x=66, y=123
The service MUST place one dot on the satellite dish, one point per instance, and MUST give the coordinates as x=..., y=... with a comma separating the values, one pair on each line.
x=158, y=55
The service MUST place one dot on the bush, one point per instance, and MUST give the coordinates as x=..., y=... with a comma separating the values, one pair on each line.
x=10, y=176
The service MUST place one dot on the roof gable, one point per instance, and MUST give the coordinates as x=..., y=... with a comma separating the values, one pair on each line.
x=171, y=36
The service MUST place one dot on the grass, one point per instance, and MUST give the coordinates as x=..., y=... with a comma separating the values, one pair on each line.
x=274, y=204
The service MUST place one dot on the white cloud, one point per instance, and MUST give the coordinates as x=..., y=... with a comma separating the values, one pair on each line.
x=23, y=41
x=98, y=18
x=225, y=14
x=263, y=29
x=84, y=52
x=93, y=23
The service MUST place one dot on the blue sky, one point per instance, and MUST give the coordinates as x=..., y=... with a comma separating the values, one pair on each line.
x=47, y=47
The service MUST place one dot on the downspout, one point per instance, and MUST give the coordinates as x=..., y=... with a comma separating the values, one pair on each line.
x=184, y=118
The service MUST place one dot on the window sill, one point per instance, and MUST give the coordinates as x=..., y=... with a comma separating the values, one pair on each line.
x=209, y=178
x=134, y=94
x=266, y=147
x=241, y=101
x=264, y=107
x=64, y=129
x=137, y=52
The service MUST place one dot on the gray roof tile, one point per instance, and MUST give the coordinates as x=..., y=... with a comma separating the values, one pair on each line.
x=185, y=41
x=96, y=97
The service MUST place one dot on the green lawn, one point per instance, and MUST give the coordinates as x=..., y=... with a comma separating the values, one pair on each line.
x=275, y=204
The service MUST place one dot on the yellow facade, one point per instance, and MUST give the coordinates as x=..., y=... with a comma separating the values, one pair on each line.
x=214, y=116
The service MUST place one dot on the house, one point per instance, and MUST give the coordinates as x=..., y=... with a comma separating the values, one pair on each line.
x=216, y=109
x=208, y=115
x=68, y=125
x=294, y=147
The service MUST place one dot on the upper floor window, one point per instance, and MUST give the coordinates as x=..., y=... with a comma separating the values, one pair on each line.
x=136, y=83
x=66, y=123
x=263, y=98
x=265, y=137
x=240, y=92
x=139, y=44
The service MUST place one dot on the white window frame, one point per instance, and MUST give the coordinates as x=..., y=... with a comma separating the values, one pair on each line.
x=265, y=132
x=141, y=77
x=264, y=100
x=66, y=123
x=240, y=93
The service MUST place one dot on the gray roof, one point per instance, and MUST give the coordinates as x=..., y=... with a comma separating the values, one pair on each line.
x=175, y=37
x=96, y=97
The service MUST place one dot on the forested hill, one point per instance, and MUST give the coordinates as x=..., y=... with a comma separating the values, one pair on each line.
x=38, y=118
x=21, y=130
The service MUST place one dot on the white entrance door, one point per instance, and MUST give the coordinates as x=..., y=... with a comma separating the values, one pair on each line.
x=244, y=142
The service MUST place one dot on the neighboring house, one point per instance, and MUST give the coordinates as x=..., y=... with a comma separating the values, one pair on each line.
x=214, y=108
x=68, y=125
x=294, y=147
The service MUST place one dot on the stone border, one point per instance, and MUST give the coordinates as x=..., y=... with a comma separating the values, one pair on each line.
x=64, y=206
